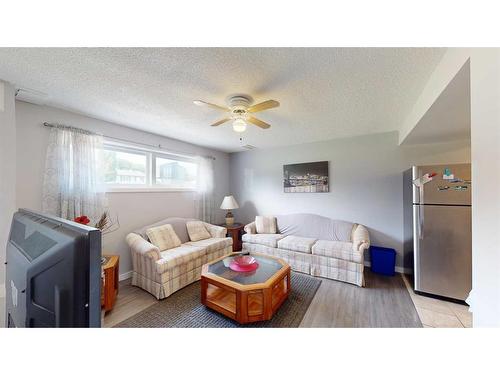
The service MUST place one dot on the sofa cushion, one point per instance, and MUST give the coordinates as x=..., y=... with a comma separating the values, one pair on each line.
x=163, y=237
x=337, y=249
x=197, y=231
x=296, y=243
x=270, y=240
x=178, y=223
x=212, y=244
x=265, y=224
x=185, y=255
x=215, y=231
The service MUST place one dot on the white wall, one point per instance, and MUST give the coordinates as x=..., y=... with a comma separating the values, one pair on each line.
x=485, y=142
x=366, y=183
x=448, y=67
x=7, y=178
x=134, y=210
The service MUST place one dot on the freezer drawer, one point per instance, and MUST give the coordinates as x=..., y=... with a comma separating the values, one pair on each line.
x=443, y=250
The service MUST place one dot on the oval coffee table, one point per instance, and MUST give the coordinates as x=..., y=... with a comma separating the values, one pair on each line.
x=245, y=296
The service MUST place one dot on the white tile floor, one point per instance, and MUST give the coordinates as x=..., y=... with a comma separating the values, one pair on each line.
x=435, y=313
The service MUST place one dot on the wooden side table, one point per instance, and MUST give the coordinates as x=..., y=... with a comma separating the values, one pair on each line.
x=109, y=289
x=234, y=231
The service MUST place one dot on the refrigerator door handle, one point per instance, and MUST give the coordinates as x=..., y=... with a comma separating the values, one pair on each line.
x=420, y=211
x=420, y=222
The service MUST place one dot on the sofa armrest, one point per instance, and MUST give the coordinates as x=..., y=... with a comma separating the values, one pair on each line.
x=216, y=231
x=140, y=246
x=250, y=228
x=360, y=238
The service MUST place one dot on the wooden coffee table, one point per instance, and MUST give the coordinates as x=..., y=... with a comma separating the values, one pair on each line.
x=245, y=296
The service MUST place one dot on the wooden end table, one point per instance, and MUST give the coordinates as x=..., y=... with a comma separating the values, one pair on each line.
x=245, y=296
x=110, y=283
x=234, y=231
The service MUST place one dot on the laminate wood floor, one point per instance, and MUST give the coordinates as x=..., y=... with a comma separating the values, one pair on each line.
x=384, y=302
x=130, y=301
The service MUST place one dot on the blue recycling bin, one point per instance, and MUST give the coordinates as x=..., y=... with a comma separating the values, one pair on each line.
x=383, y=260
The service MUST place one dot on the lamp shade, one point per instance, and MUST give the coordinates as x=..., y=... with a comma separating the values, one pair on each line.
x=229, y=203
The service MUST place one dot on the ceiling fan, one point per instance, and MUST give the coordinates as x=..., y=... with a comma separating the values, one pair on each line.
x=240, y=109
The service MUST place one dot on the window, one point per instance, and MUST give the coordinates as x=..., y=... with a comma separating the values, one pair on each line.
x=175, y=173
x=123, y=167
x=128, y=168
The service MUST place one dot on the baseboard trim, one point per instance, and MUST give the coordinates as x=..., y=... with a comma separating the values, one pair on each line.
x=125, y=276
x=398, y=269
x=2, y=290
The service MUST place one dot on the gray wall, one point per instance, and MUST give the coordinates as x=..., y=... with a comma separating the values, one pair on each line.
x=7, y=177
x=134, y=210
x=366, y=181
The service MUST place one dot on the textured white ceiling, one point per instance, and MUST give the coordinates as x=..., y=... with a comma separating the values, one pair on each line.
x=448, y=119
x=324, y=93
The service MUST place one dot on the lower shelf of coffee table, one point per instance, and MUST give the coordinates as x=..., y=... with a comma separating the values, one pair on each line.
x=245, y=305
x=225, y=299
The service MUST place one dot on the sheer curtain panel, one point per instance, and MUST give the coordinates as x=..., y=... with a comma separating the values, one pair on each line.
x=205, y=190
x=73, y=180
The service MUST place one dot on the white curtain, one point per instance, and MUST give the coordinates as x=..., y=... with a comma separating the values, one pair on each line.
x=205, y=203
x=73, y=181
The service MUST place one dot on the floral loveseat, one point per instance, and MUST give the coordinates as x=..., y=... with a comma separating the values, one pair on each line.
x=315, y=245
x=161, y=273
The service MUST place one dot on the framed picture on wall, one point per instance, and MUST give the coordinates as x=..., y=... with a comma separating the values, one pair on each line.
x=306, y=177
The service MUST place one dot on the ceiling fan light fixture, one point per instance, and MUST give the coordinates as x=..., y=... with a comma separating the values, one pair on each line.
x=240, y=110
x=239, y=125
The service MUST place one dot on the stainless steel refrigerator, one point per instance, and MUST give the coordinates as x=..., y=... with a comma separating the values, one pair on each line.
x=438, y=226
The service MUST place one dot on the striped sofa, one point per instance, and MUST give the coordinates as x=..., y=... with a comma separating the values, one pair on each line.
x=161, y=273
x=315, y=245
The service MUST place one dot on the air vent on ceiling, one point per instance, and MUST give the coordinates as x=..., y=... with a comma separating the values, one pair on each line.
x=249, y=147
x=32, y=96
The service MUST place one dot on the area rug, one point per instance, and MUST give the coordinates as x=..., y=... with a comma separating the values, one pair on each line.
x=184, y=310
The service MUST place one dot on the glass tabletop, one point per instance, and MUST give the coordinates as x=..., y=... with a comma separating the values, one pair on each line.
x=267, y=268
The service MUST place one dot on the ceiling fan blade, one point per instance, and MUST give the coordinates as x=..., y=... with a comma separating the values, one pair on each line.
x=259, y=123
x=220, y=122
x=268, y=104
x=201, y=103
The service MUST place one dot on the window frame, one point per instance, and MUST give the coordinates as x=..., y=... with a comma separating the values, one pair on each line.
x=151, y=155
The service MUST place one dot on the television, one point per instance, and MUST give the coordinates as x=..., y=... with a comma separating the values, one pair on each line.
x=53, y=272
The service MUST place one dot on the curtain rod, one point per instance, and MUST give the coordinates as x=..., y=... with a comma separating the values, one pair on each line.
x=159, y=146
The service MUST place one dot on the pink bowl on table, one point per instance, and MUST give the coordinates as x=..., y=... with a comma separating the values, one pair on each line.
x=244, y=263
x=244, y=260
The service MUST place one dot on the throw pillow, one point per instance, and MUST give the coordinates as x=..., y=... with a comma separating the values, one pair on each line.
x=265, y=224
x=163, y=237
x=197, y=231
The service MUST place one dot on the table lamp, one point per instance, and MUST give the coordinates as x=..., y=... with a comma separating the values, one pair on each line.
x=229, y=203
